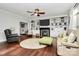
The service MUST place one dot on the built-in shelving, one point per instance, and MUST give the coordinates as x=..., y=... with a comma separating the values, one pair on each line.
x=56, y=22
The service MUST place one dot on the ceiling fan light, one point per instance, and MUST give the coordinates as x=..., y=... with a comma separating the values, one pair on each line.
x=36, y=14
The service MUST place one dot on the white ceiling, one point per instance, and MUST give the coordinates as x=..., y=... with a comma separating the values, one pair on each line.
x=51, y=9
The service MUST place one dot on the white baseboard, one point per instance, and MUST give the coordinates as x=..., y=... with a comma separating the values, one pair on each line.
x=2, y=41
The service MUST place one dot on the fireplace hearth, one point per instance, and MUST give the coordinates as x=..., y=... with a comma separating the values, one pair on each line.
x=44, y=32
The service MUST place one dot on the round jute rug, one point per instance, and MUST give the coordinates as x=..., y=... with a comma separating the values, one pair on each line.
x=32, y=43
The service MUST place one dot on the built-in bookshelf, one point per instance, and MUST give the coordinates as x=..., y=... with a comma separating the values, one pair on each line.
x=32, y=25
x=59, y=22
x=56, y=22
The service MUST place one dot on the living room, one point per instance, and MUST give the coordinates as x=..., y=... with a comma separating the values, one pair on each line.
x=35, y=28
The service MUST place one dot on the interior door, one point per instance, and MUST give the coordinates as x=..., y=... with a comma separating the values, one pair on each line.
x=23, y=28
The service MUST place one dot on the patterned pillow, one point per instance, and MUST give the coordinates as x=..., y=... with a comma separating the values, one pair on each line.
x=72, y=37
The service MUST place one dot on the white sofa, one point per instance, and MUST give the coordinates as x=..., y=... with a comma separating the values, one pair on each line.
x=68, y=51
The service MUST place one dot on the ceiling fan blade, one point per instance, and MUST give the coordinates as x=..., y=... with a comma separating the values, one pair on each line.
x=41, y=12
x=35, y=14
x=29, y=11
x=32, y=14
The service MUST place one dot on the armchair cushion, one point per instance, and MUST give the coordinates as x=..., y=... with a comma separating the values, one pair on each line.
x=12, y=35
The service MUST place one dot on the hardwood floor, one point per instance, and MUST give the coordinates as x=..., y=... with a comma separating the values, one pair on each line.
x=14, y=49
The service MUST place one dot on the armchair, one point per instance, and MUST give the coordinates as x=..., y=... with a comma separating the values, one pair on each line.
x=11, y=37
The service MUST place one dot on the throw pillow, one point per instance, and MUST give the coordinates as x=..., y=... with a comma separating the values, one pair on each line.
x=72, y=37
x=65, y=39
x=63, y=34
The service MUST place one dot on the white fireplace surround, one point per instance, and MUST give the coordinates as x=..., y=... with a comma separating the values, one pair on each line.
x=53, y=33
x=44, y=31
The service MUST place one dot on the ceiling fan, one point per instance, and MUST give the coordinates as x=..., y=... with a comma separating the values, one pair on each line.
x=36, y=12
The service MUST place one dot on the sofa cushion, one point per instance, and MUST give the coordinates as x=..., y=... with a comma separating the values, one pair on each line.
x=72, y=37
x=46, y=40
x=74, y=45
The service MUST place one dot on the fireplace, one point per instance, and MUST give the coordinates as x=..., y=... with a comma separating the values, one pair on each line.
x=44, y=32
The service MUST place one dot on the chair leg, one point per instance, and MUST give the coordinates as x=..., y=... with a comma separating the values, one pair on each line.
x=18, y=41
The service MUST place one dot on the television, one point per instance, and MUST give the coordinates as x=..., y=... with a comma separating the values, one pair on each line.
x=44, y=22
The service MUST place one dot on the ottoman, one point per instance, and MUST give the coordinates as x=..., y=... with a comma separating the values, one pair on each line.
x=46, y=40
